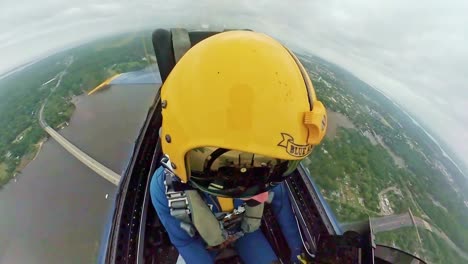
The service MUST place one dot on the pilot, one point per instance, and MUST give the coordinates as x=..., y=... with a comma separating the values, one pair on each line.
x=239, y=114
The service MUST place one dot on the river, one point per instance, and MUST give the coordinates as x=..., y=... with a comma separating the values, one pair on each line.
x=56, y=210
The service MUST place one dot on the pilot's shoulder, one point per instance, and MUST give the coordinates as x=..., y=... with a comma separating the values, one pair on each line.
x=159, y=172
x=279, y=191
x=280, y=197
x=157, y=189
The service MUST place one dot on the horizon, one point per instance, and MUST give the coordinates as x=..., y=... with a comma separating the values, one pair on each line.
x=443, y=148
x=416, y=60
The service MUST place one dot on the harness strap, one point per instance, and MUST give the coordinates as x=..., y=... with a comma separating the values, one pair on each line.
x=209, y=228
x=187, y=206
x=178, y=203
x=252, y=218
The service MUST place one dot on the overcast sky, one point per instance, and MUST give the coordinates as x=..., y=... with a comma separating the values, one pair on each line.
x=416, y=52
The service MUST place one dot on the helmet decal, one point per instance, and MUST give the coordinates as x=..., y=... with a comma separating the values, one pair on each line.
x=293, y=149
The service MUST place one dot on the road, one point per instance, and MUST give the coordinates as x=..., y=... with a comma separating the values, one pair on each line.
x=94, y=165
x=392, y=222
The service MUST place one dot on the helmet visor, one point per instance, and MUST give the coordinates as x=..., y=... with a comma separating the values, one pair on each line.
x=237, y=174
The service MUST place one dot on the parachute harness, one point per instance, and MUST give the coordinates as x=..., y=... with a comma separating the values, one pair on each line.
x=187, y=206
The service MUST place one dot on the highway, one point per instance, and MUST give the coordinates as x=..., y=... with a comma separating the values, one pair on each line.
x=392, y=222
x=94, y=165
x=97, y=167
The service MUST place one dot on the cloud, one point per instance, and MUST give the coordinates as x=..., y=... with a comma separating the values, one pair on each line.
x=416, y=52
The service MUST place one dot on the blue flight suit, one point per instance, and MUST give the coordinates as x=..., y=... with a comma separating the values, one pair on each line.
x=252, y=247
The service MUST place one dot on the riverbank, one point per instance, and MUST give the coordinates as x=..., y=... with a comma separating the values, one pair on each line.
x=58, y=112
x=3, y=173
x=6, y=176
x=39, y=147
x=12, y=166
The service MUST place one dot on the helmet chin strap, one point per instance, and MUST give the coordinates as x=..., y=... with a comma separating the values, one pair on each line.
x=166, y=163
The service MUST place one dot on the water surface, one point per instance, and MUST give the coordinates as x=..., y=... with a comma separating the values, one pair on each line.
x=57, y=209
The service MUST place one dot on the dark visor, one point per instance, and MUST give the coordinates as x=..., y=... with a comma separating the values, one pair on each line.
x=236, y=174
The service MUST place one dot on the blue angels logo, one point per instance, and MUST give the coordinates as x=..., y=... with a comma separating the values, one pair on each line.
x=292, y=148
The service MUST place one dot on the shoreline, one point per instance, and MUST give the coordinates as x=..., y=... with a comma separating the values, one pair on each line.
x=26, y=159
x=39, y=148
x=31, y=156
x=24, y=162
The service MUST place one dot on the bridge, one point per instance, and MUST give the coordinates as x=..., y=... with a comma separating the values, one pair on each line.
x=143, y=77
x=94, y=165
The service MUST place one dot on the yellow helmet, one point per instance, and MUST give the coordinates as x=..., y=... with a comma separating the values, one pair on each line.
x=244, y=91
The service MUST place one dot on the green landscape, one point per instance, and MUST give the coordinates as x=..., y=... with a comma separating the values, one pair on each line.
x=78, y=70
x=374, y=161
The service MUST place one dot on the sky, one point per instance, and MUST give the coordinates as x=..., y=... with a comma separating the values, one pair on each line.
x=416, y=52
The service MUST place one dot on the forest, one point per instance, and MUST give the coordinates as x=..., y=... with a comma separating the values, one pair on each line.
x=349, y=167
x=433, y=249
